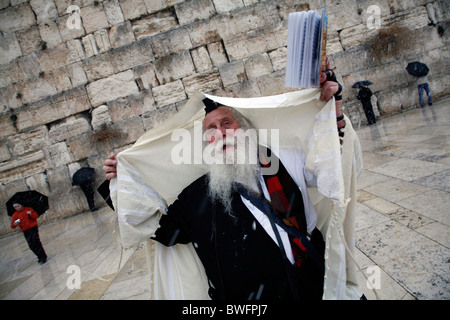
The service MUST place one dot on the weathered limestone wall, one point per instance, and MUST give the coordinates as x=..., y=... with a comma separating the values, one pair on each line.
x=80, y=82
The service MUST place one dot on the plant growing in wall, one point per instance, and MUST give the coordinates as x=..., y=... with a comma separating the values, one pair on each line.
x=107, y=134
x=390, y=41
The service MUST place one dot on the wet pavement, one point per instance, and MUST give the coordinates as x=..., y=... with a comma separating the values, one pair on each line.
x=402, y=227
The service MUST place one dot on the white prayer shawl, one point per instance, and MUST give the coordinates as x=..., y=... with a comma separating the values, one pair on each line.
x=148, y=181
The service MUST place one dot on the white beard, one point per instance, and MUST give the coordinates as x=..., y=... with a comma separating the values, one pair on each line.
x=224, y=175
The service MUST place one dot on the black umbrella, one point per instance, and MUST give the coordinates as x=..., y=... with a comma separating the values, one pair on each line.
x=82, y=176
x=32, y=199
x=417, y=69
x=103, y=189
x=362, y=83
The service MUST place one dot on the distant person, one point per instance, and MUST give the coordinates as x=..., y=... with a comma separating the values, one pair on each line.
x=422, y=84
x=26, y=219
x=364, y=94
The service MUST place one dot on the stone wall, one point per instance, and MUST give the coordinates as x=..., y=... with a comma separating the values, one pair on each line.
x=82, y=78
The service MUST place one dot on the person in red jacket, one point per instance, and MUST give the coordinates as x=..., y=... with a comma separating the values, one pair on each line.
x=26, y=219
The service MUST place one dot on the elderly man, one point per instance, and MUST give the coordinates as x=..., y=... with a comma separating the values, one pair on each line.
x=255, y=234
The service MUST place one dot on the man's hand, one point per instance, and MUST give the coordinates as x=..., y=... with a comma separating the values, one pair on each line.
x=109, y=167
x=329, y=89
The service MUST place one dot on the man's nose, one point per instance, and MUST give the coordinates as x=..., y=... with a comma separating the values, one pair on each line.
x=218, y=133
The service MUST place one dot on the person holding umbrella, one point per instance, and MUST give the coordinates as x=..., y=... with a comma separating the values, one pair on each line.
x=420, y=71
x=364, y=94
x=26, y=219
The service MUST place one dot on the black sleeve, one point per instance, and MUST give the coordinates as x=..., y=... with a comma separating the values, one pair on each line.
x=173, y=226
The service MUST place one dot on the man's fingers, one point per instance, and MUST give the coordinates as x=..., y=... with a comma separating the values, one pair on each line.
x=328, y=90
x=109, y=176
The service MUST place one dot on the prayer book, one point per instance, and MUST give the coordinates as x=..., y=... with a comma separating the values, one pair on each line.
x=306, y=55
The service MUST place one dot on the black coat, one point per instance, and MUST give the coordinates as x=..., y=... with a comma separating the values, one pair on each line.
x=240, y=259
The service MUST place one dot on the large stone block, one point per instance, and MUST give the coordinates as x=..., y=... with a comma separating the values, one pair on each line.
x=117, y=86
x=53, y=108
x=76, y=74
x=80, y=147
x=244, y=46
x=190, y=11
x=173, y=67
x=37, y=88
x=153, y=24
x=29, y=141
x=232, y=72
x=133, y=9
x=45, y=10
x=100, y=117
x=9, y=99
x=9, y=47
x=142, y=102
x=258, y=65
x=113, y=12
x=121, y=34
x=25, y=166
x=202, y=82
x=39, y=183
x=49, y=32
x=278, y=58
x=98, y=67
x=68, y=128
x=158, y=5
x=169, y=93
x=217, y=53
x=201, y=59
x=203, y=32
x=157, y=117
x=145, y=76
x=9, y=73
x=54, y=58
x=4, y=152
x=132, y=55
x=119, y=110
x=94, y=18
x=227, y=5
x=272, y=84
x=29, y=40
x=58, y=154
x=171, y=42
x=17, y=18
x=343, y=14
x=263, y=17
x=6, y=125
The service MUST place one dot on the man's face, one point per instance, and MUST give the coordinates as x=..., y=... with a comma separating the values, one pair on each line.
x=218, y=122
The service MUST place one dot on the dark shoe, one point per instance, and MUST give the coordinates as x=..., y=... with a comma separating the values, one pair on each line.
x=42, y=260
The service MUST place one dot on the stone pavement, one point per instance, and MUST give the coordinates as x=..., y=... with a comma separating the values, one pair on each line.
x=402, y=227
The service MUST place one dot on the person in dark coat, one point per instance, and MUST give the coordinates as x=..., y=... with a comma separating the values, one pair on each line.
x=364, y=94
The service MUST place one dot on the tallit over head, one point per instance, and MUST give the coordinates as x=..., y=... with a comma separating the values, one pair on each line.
x=165, y=160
